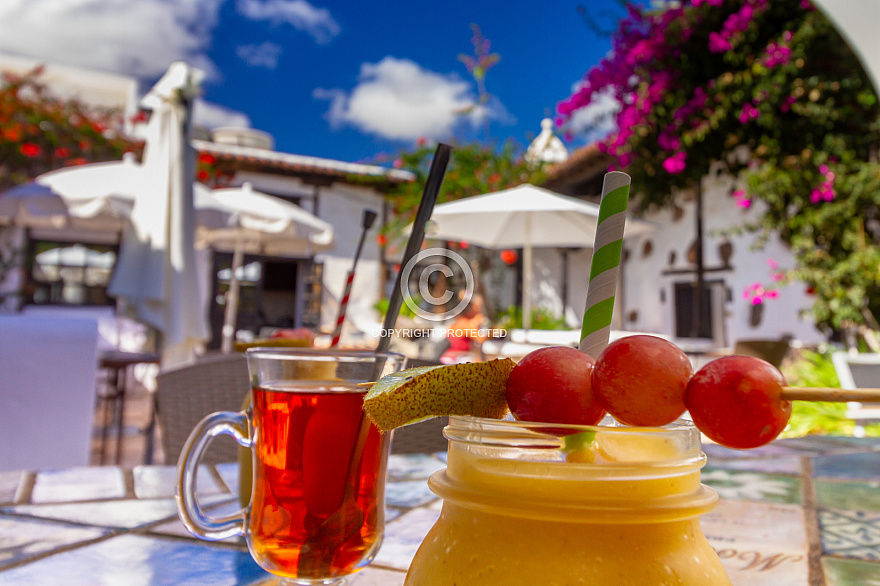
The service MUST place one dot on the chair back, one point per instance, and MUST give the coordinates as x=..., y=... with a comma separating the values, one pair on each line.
x=187, y=394
x=859, y=371
x=424, y=437
x=48, y=370
x=773, y=351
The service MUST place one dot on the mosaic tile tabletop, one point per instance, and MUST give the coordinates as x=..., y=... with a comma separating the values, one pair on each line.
x=802, y=512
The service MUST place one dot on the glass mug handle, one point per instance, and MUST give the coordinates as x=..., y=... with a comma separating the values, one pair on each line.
x=195, y=520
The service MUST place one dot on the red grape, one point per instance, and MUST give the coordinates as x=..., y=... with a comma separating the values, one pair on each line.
x=641, y=380
x=552, y=385
x=737, y=401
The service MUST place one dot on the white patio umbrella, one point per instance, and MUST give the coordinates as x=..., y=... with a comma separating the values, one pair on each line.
x=256, y=223
x=155, y=274
x=522, y=217
x=856, y=20
x=95, y=196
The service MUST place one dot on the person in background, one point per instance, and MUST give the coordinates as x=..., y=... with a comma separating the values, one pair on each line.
x=466, y=334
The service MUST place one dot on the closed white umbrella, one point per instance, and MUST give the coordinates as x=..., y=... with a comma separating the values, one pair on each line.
x=522, y=217
x=256, y=223
x=155, y=273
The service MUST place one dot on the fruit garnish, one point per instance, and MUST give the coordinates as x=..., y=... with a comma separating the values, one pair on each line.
x=641, y=380
x=553, y=385
x=626, y=447
x=420, y=393
x=579, y=447
x=737, y=401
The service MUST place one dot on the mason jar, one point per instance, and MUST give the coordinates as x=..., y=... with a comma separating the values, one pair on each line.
x=530, y=503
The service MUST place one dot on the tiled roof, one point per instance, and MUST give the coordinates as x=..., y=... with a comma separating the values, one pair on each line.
x=286, y=161
x=579, y=160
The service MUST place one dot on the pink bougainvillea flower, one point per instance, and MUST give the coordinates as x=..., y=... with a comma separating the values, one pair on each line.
x=719, y=43
x=749, y=112
x=676, y=163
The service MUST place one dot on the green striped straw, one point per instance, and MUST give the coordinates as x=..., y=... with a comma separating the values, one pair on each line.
x=605, y=266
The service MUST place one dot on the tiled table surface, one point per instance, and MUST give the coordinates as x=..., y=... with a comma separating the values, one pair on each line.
x=802, y=512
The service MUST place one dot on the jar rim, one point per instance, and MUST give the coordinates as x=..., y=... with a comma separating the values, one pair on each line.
x=674, y=445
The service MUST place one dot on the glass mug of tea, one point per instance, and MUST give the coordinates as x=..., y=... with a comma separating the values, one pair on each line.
x=316, y=511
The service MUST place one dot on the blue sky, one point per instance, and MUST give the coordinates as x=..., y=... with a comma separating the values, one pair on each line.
x=343, y=79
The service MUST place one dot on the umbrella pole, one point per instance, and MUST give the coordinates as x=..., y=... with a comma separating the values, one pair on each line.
x=231, y=313
x=527, y=275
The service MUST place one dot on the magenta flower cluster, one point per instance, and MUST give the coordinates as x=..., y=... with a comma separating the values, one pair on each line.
x=825, y=190
x=639, y=82
x=741, y=198
x=736, y=24
x=757, y=293
x=676, y=163
x=749, y=112
x=787, y=103
x=777, y=53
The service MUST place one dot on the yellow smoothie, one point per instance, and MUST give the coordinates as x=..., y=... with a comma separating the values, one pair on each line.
x=522, y=505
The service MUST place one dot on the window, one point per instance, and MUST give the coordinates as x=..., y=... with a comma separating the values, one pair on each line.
x=67, y=273
x=711, y=322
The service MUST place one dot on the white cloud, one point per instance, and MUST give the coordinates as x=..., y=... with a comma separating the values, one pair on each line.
x=263, y=55
x=318, y=22
x=596, y=120
x=134, y=37
x=398, y=99
x=141, y=38
x=210, y=116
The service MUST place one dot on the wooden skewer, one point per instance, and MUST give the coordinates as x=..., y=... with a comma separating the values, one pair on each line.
x=830, y=394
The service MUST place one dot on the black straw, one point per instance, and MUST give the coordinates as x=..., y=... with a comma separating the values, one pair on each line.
x=416, y=237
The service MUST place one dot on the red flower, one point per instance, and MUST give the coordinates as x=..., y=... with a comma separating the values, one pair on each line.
x=30, y=149
x=382, y=239
x=207, y=158
x=62, y=153
x=13, y=134
x=202, y=175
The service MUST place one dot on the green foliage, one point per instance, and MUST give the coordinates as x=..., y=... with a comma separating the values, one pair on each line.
x=474, y=169
x=39, y=132
x=542, y=319
x=815, y=369
x=382, y=307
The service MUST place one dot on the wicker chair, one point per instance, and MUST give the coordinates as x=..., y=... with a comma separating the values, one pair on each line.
x=187, y=394
x=424, y=437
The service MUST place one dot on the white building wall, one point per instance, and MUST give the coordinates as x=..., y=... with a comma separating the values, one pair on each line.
x=343, y=206
x=648, y=290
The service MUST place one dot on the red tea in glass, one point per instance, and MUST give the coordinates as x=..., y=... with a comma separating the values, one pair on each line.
x=314, y=506
x=304, y=436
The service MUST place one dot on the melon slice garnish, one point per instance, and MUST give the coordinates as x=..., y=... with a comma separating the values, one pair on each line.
x=424, y=392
